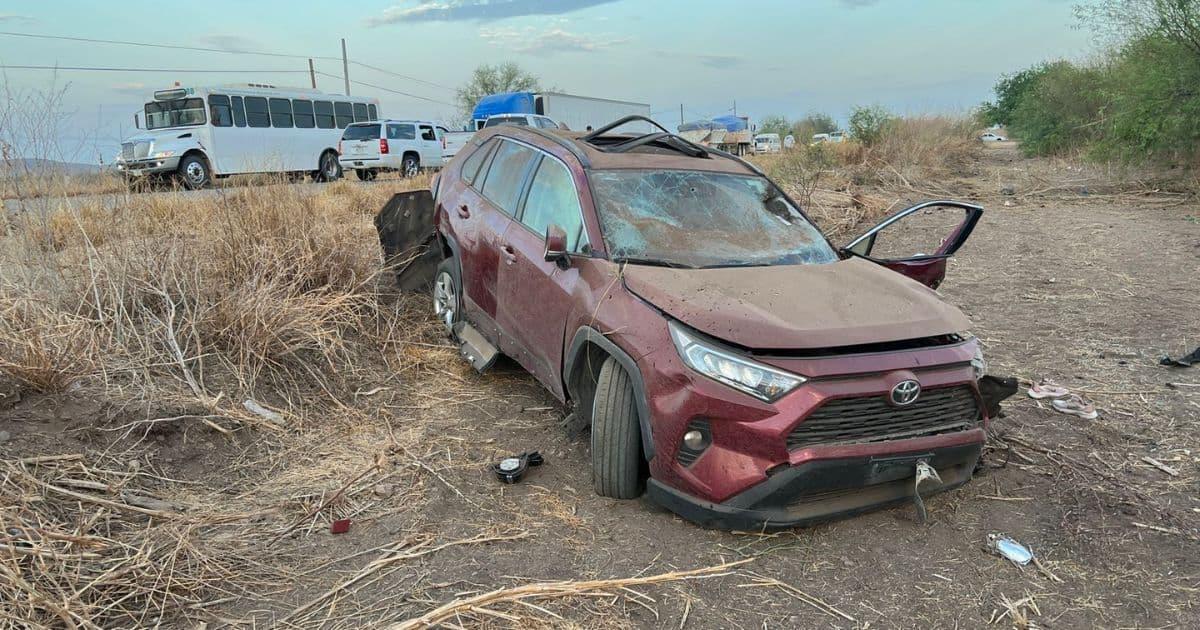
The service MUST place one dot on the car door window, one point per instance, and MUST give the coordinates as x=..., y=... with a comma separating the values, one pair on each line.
x=427, y=133
x=506, y=176
x=470, y=167
x=553, y=200
x=401, y=132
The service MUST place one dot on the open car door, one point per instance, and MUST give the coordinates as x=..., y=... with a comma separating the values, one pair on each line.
x=406, y=231
x=917, y=241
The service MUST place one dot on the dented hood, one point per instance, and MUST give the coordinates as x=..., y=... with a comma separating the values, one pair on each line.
x=845, y=303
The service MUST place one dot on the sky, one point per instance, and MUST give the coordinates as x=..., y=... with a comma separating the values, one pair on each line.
x=768, y=57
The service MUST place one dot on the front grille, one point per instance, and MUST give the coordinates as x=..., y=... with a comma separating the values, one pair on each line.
x=872, y=419
x=127, y=150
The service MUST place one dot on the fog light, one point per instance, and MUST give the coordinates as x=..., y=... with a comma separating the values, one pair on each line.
x=693, y=440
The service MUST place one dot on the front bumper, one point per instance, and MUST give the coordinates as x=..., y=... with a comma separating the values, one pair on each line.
x=148, y=166
x=823, y=490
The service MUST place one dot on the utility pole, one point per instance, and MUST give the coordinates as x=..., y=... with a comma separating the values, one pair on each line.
x=735, y=107
x=681, y=114
x=312, y=74
x=345, y=67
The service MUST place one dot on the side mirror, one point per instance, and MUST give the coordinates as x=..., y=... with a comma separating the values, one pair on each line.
x=137, y=122
x=556, y=246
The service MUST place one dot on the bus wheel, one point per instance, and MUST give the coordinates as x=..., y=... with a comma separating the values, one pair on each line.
x=193, y=172
x=329, y=170
x=366, y=174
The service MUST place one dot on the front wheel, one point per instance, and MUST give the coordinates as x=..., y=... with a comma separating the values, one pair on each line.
x=616, y=435
x=366, y=175
x=328, y=168
x=194, y=173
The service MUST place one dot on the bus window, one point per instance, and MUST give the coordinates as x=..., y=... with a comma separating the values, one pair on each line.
x=256, y=112
x=372, y=112
x=304, y=113
x=220, y=111
x=344, y=114
x=360, y=112
x=239, y=114
x=324, y=111
x=281, y=113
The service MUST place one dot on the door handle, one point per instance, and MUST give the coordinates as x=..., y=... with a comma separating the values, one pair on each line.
x=464, y=211
x=510, y=255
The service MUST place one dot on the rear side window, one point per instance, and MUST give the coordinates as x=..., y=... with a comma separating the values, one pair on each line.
x=256, y=112
x=344, y=113
x=361, y=132
x=303, y=112
x=552, y=200
x=324, y=114
x=372, y=112
x=239, y=113
x=281, y=113
x=470, y=167
x=401, y=132
x=506, y=175
x=360, y=112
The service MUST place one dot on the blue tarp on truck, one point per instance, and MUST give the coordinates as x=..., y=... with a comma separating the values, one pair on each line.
x=728, y=123
x=506, y=103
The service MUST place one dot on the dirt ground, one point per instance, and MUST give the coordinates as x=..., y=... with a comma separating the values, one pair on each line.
x=1062, y=278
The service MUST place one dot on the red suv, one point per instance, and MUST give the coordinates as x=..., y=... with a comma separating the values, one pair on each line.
x=728, y=359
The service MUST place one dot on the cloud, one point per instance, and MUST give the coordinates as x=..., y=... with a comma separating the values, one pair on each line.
x=530, y=40
x=13, y=17
x=231, y=43
x=477, y=10
x=858, y=4
x=129, y=88
x=720, y=62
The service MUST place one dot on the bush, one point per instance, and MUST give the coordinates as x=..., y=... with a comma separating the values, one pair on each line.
x=1061, y=111
x=869, y=124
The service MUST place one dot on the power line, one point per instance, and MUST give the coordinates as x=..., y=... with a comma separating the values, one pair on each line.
x=379, y=87
x=219, y=50
x=172, y=70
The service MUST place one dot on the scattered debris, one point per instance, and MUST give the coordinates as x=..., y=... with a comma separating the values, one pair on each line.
x=1161, y=466
x=511, y=469
x=340, y=526
x=384, y=490
x=925, y=472
x=1008, y=190
x=257, y=409
x=1184, y=361
x=1047, y=388
x=996, y=389
x=5, y=436
x=1075, y=406
x=1010, y=549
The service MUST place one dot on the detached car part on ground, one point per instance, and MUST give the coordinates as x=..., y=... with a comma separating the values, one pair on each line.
x=728, y=359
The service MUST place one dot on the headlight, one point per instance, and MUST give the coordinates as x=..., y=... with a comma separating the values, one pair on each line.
x=758, y=380
x=977, y=362
x=163, y=154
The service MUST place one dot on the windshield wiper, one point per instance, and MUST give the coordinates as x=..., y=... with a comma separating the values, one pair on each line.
x=741, y=263
x=653, y=262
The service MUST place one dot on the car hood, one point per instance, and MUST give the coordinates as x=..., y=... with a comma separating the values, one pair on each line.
x=845, y=303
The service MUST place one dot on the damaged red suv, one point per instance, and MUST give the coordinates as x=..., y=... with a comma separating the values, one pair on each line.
x=729, y=360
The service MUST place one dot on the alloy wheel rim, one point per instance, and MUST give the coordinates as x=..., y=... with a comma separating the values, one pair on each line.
x=445, y=302
x=195, y=173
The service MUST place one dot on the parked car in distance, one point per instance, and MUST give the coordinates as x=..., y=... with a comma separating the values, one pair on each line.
x=767, y=143
x=726, y=356
x=992, y=137
x=831, y=137
x=391, y=145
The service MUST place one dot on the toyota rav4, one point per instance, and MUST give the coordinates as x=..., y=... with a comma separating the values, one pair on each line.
x=729, y=360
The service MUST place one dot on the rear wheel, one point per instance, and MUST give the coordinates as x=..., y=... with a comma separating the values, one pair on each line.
x=366, y=175
x=410, y=166
x=447, y=294
x=328, y=169
x=616, y=436
x=193, y=172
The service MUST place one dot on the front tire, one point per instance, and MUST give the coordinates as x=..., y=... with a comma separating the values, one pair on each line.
x=410, y=166
x=447, y=295
x=616, y=435
x=194, y=173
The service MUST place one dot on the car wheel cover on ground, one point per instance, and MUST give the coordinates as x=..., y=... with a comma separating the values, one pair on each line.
x=445, y=300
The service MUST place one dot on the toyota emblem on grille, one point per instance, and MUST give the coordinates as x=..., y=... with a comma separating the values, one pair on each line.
x=906, y=392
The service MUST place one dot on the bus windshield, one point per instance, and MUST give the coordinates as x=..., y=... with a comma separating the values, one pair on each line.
x=180, y=112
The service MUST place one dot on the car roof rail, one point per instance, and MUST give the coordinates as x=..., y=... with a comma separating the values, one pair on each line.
x=662, y=138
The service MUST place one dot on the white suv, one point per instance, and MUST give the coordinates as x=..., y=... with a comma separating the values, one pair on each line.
x=391, y=145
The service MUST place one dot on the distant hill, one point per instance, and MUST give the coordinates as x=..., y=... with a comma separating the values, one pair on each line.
x=46, y=167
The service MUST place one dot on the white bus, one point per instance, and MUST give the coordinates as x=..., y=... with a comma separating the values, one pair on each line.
x=200, y=133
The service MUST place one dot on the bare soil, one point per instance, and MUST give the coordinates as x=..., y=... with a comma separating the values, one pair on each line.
x=1087, y=287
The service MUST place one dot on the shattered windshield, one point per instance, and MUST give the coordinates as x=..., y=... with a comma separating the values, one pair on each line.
x=702, y=219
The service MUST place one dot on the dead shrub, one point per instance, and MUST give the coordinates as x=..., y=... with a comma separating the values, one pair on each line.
x=44, y=350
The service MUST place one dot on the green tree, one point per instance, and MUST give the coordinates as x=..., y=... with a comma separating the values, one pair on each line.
x=774, y=124
x=1061, y=110
x=813, y=123
x=493, y=79
x=1009, y=91
x=869, y=124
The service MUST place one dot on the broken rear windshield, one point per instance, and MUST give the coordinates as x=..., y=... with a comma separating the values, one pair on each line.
x=703, y=219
